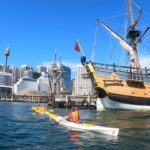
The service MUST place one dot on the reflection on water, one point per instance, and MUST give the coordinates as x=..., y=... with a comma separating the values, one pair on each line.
x=74, y=136
x=21, y=128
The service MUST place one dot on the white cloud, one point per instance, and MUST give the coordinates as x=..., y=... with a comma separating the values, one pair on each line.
x=46, y=64
x=145, y=61
x=72, y=65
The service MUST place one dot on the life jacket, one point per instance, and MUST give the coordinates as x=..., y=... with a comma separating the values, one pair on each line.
x=75, y=116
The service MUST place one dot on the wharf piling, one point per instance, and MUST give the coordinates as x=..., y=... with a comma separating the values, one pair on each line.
x=82, y=101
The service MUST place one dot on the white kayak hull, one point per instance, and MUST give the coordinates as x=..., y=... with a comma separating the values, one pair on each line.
x=84, y=126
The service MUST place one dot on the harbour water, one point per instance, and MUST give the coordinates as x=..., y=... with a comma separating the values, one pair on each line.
x=21, y=128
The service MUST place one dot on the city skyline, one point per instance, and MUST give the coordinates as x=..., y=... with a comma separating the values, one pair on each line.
x=35, y=30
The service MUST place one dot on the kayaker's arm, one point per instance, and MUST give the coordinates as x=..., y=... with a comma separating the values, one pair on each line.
x=65, y=117
x=68, y=116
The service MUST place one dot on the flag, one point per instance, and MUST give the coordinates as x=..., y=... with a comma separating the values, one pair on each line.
x=77, y=46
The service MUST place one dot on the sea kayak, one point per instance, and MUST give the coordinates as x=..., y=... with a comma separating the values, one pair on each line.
x=41, y=109
x=84, y=126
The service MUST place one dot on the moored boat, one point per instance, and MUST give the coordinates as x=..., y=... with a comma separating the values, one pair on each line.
x=122, y=87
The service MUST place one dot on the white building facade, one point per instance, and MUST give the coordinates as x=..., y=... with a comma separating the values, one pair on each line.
x=25, y=84
x=43, y=83
x=82, y=86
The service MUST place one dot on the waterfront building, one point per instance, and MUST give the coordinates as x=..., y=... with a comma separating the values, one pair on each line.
x=43, y=83
x=83, y=86
x=26, y=71
x=16, y=73
x=6, y=79
x=25, y=85
x=6, y=82
x=5, y=91
x=2, y=68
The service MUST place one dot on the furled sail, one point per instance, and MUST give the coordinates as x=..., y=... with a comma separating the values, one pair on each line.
x=124, y=45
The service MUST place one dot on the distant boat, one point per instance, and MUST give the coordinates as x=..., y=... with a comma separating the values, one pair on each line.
x=122, y=87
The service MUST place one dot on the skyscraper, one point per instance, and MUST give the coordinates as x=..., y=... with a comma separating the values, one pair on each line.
x=66, y=77
x=26, y=71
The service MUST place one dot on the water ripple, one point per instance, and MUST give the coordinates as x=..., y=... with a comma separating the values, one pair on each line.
x=21, y=128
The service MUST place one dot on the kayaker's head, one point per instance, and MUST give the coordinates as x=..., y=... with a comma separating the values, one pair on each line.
x=73, y=108
x=76, y=107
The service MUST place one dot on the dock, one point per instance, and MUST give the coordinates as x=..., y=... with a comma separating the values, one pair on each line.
x=60, y=101
x=81, y=101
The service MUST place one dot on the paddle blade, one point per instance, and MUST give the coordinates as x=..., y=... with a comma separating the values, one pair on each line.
x=51, y=111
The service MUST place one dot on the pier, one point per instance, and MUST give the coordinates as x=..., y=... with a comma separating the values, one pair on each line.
x=25, y=98
x=59, y=101
x=82, y=101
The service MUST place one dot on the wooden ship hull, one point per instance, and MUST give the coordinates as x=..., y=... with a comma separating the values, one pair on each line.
x=119, y=93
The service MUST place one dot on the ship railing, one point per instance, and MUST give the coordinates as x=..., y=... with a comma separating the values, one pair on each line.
x=124, y=72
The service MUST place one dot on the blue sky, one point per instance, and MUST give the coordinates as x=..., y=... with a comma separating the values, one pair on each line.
x=35, y=29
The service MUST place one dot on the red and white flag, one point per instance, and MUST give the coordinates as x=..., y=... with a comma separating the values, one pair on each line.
x=77, y=46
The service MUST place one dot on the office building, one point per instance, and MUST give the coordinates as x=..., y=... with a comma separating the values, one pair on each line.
x=6, y=82
x=26, y=71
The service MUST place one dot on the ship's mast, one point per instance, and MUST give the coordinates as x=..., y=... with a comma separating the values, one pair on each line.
x=132, y=35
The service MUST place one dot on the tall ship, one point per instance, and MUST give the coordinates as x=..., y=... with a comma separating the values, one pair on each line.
x=119, y=86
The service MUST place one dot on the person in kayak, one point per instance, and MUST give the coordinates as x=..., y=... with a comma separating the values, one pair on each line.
x=73, y=115
x=38, y=107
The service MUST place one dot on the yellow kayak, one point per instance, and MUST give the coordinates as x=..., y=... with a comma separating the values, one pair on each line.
x=39, y=109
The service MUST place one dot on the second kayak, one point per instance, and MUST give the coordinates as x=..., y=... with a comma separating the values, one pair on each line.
x=39, y=109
